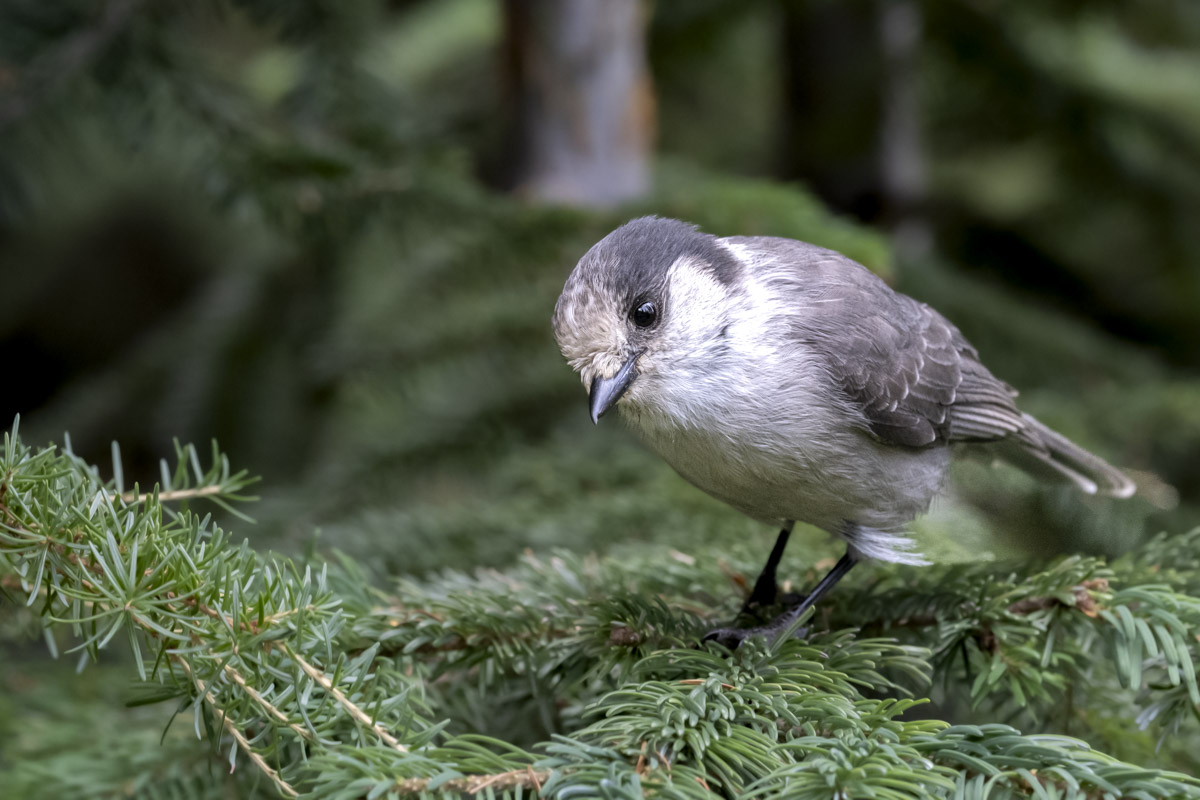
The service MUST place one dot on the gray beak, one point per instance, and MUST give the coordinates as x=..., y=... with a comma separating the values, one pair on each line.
x=607, y=391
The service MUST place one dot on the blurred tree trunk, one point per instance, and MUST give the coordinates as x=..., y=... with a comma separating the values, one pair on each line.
x=831, y=105
x=901, y=159
x=582, y=100
x=851, y=111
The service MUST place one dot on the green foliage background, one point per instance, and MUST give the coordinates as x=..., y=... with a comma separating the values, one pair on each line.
x=265, y=223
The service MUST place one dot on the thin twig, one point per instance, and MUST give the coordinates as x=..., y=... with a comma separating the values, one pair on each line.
x=237, y=677
x=250, y=627
x=173, y=494
x=525, y=778
x=56, y=67
x=354, y=711
x=701, y=681
x=258, y=760
x=1085, y=603
x=266, y=705
x=9, y=581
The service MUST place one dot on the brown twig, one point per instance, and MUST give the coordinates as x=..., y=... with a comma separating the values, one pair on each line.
x=1083, y=599
x=354, y=711
x=86, y=564
x=57, y=66
x=1084, y=602
x=266, y=705
x=258, y=760
x=700, y=681
x=460, y=643
x=173, y=494
x=525, y=778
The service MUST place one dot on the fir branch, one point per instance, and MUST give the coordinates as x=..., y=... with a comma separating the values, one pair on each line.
x=476, y=784
x=642, y=711
x=176, y=494
x=58, y=66
x=206, y=693
x=354, y=711
x=265, y=705
x=1028, y=636
x=154, y=631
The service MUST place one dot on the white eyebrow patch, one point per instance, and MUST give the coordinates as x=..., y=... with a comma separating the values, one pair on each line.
x=700, y=296
x=739, y=251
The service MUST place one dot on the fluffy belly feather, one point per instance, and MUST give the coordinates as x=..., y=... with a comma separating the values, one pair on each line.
x=859, y=481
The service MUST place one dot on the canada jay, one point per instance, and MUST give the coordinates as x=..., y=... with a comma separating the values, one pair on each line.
x=793, y=384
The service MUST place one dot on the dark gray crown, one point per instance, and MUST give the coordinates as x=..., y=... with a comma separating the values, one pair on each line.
x=638, y=254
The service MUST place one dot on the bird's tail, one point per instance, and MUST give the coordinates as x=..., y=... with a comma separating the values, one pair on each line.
x=1048, y=454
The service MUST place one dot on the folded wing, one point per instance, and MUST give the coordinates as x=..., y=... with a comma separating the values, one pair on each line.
x=911, y=372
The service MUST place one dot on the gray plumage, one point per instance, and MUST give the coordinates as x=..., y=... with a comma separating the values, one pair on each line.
x=792, y=383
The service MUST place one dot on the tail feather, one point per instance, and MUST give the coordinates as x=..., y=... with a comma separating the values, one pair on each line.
x=1045, y=453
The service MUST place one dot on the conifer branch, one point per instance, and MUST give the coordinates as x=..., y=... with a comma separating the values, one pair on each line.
x=63, y=62
x=354, y=711
x=206, y=693
x=265, y=705
x=651, y=710
x=175, y=494
x=526, y=778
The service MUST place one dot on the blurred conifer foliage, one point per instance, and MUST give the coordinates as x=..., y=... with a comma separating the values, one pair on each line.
x=277, y=224
x=567, y=675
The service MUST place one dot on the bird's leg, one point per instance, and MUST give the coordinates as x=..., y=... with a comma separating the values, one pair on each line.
x=831, y=578
x=970, y=673
x=732, y=637
x=766, y=589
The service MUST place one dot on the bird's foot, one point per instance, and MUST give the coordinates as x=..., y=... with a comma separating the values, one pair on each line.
x=765, y=593
x=792, y=599
x=763, y=598
x=768, y=596
x=732, y=638
x=757, y=608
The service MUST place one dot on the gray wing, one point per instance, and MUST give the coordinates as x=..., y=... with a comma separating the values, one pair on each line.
x=914, y=376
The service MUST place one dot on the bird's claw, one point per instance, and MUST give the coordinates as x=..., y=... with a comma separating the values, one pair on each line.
x=732, y=638
x=792, y=599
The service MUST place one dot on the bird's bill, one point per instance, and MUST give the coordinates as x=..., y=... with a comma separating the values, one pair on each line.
x=605, y=392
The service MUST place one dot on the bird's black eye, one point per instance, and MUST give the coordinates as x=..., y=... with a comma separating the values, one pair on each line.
x=645, y=315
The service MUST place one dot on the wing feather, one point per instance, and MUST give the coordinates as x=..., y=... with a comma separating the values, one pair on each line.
x=909, y=370
x=906, y=369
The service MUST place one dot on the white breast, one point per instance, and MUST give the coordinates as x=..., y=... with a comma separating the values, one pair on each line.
x=751, y=418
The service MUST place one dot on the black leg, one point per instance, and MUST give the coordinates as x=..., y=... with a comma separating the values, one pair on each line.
x=732, y=637
x=766, y=588
x=824, y=585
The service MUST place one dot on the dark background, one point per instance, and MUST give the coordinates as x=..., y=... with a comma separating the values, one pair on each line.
x=330, y=235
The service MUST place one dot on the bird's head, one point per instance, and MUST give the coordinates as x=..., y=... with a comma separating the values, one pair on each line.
x=641, y=308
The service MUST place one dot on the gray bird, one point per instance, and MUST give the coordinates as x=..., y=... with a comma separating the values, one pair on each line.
x=793, y=384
